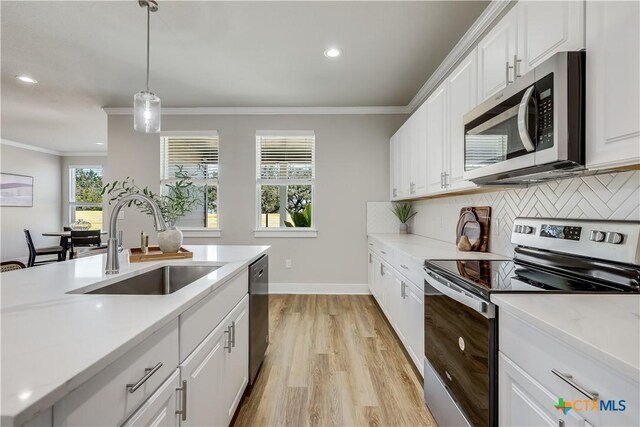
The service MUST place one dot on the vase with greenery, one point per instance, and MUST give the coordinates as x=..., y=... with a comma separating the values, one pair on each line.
x=182, y=196
x=404, y=212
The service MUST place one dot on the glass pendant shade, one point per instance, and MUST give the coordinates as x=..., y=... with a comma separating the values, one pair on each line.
x=146, y=112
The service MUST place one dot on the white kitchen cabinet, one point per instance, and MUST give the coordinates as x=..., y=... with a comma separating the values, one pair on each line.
x=414, y=306
x=418, y=152
x=371, y=273
x=400, y=157
x=525, y=402
x=462, y=96
x=397, y=312
x=496, y=51
x=613, y=84
x=385, y=285
x=436, y=138
x=394, y=166
x=545, y=28
x=216, y=372
x=161, y=408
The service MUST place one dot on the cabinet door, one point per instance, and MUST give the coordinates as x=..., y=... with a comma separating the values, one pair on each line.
x=371, y=274
x=397, y=306
x=404, y=155
x=204, y=371
x=414, y=307
x=384, y=288
x=418, y=152
x=613, y=83
x=545, y=28
x=236, y=365
x=394, y=169
x=495, y=54
x=436, y=137
x=160, y=409
x=462, y=97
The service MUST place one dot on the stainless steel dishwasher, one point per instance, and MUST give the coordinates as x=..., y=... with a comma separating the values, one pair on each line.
x=258, y=314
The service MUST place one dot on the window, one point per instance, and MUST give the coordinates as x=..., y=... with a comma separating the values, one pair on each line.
x=285, y=176
x=196, y=154
x=85, y=200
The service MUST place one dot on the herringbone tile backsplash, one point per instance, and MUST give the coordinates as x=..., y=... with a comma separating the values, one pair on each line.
x=606, y=196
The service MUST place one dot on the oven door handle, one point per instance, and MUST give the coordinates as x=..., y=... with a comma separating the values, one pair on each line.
x=523, y=128
x=452, y=291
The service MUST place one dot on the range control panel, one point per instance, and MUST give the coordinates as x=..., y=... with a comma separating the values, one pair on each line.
x=612, y=240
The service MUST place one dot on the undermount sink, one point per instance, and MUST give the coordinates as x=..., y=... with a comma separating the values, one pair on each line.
x=161, y=281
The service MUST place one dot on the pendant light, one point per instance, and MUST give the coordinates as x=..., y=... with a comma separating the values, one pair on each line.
x=146, y=105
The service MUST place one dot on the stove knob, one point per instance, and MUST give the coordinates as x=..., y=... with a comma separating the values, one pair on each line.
x=615, y=238
x=596, y=236
x=526, y=229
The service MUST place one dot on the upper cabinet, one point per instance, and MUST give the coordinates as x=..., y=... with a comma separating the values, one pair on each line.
x=613, y=84
x=436, y=138
x=409, y=158
x=496, y=52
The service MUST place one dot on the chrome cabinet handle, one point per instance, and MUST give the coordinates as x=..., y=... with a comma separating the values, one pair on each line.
x=508, y=67
x=441, y=179
x=383, y=252
x=403, y=293
x=148, y=373
x=446, y=179
x=228, y=344
x=233, y=333
x=516, y=67
x=590, y=394
x=381, y=270
x=412, y=188
x=404, y=266
x=370, y=260
x=395, y=192
x=183, y=404
x=523, y=111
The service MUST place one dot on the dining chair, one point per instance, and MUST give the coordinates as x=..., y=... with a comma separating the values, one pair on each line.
x=34, y=252
x=89, y=239
x=11, y=265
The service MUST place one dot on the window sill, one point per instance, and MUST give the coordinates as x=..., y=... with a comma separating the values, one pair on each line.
x=283, y=232
x=201, y=232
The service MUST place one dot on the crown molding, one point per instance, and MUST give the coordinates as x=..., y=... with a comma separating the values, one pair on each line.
x=29, y=147
x=248, y=111
x=468, y=41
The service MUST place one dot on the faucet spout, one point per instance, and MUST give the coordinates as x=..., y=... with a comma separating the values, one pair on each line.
x=113, y=264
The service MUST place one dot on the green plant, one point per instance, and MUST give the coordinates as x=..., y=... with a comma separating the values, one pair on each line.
x=404, y=212
x=300, y=219
x=181, y=198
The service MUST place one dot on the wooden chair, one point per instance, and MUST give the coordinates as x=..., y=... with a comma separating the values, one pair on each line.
x=89, y=239
x=11, y=265
x=34, y=252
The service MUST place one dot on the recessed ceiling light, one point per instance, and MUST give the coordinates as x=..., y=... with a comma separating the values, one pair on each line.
x=332, y=52
x=26, y=79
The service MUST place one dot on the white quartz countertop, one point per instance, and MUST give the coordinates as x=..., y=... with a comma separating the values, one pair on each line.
x=424, y=248
x=605, y=327
x=53, y=341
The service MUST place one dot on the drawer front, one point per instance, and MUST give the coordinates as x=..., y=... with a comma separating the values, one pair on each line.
x=160, y=409
x=105, y=399
x=409, y=268
x=383, y=251
x=540, y=353
x=198, y=321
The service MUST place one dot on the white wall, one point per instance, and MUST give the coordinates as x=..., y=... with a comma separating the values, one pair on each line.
x=68, y=161
x=352, y=167
x=45, y=213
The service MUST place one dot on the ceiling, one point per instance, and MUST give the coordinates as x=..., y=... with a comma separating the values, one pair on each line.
x=91, y=54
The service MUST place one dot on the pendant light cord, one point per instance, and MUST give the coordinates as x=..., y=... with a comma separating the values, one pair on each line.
x=148, y=36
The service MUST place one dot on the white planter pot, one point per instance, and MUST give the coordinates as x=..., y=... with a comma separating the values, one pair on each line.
x=403, y=228
x=170, y=240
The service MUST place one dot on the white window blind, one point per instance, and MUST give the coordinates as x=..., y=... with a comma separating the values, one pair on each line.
x=197, y=155
x=285, y=157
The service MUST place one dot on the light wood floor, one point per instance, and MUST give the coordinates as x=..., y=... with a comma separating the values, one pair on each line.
x=333, y=361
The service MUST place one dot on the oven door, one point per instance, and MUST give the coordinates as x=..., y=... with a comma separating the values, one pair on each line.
x=460, y=349
x=500, y=134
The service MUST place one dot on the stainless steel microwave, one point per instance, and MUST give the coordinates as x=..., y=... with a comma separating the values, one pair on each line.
x=533, y=130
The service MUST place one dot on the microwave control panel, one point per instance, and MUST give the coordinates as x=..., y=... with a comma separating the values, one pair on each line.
x=544, y=88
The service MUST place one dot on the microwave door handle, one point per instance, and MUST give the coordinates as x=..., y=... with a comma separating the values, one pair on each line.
x=523, y=112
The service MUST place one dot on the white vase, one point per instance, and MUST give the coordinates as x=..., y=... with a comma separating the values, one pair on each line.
x=404, y=228
x=170, y=240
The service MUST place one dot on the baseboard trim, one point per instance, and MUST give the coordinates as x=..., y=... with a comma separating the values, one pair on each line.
x=320, y=288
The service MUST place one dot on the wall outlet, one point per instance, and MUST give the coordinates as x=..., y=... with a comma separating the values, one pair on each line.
x=287, y=263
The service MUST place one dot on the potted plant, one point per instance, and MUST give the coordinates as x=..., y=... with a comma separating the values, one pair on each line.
x=404, y=212
x=182, y=197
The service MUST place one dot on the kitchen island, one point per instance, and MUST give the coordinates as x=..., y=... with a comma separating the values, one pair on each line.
x=54, y=339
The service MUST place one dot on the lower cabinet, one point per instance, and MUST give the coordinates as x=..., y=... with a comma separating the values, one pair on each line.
x=162, y=408
x=401, y=301
x=216, y=373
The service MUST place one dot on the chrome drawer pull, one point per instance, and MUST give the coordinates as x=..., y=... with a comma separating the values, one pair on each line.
x=404, y=266
x=229, y=340
x=149, y=371
x=383, y=252
x=183, y=404
x=592, y=395
x=233, y=333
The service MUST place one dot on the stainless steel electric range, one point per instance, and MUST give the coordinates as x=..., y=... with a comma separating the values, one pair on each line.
x=461, y=323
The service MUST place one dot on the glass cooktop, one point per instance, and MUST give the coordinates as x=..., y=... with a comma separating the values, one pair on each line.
x=485, y=277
